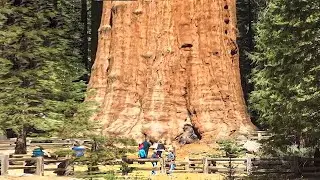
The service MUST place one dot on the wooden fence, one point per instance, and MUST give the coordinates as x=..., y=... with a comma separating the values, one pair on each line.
x=232, y=166
x=9, y=144
x=192, y=165
x=38, y=165
x=259, y=135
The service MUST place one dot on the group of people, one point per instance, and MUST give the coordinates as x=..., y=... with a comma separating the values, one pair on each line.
x=158, y=151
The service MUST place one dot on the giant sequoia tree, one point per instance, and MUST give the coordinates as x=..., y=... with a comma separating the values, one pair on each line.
x=163, y=64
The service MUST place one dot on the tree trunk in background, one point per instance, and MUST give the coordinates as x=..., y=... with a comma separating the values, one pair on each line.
x=246, y=12
x=96, y=12
x=163, y=64
x=21, y=143
x=55, y=4
x=84, y=21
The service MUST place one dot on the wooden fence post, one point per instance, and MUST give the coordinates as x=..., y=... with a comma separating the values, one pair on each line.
x=163, y=165
x=205, y=166
x=187, y=165
x=39, y=166
x=295, y=165
x=259, y=136
x=4, y=164
x=249, y=165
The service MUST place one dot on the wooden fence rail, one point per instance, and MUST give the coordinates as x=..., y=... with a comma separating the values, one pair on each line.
x=235, y=165
x=50, y=142
x=39, y=163
x=193, y=165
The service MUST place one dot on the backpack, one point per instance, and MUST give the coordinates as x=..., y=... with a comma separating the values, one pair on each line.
x=142, y=153
x=37, y=152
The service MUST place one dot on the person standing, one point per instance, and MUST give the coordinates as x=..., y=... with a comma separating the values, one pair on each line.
x=160, y=148
x=141, y=152
x=79, y=150
x=146, y=146
x=171, y=158
x=155, y=155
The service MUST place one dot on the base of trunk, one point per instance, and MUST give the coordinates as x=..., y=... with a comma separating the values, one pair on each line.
x=21, y=143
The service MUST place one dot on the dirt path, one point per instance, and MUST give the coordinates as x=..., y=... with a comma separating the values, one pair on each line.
x=156, y=177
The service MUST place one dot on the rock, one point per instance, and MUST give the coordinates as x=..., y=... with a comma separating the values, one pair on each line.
x=192, y=72
x=252, y=146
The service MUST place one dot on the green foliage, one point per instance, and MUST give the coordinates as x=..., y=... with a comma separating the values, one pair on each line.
x=276, y=148
x=125, y=169
x=103, y=151
x=40, y=67
x=64, y=152
x=79, y=125
x=110, y=175
x=126, y=141
x=286, y=76
x=231, y=148
x=247, y=15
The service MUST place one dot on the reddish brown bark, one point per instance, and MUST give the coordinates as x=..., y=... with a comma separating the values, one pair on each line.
x=163, y=64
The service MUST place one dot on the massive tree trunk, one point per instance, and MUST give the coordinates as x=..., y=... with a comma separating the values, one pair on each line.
x=163, y=64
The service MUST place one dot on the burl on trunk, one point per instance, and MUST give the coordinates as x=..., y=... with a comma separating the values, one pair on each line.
x=162, y=64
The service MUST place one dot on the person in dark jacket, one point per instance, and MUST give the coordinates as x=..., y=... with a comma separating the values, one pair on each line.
x=155, y=155
x=146, y=146
x=160, y=148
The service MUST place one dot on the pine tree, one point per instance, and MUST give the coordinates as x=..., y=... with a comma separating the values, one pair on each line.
x=247, y=13
x=40, y=68
x=287, y=72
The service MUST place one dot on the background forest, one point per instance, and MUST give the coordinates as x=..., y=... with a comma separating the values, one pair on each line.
x=47, y=49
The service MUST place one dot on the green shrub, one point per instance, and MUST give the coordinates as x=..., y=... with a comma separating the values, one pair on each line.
x=231, y=148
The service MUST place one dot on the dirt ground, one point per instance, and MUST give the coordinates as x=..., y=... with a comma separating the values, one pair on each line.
x=18, y=174
x=188, y=176
x=35, y=178
x=196, y=150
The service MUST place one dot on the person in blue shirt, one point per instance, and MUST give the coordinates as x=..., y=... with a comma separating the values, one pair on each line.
x=142, y=153
x=79, y=150
x=171, y=158
x=38, y=152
